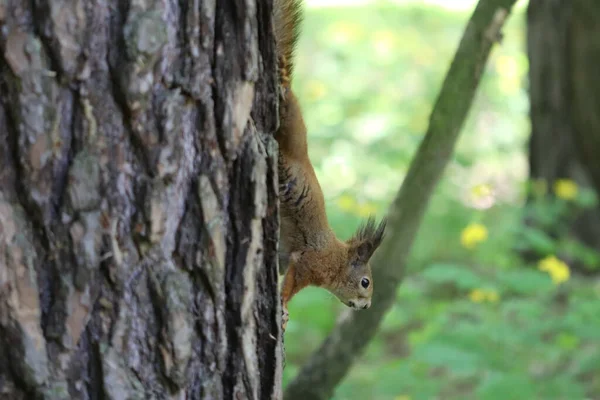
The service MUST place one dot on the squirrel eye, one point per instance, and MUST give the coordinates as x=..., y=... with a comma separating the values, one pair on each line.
x=364, y=283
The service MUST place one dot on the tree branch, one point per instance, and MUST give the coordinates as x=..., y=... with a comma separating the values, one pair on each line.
x=327, y=366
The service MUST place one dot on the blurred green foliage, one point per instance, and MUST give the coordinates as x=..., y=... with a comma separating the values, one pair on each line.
x=471, y=321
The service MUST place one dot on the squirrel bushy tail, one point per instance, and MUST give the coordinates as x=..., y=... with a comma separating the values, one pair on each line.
x=287, y=17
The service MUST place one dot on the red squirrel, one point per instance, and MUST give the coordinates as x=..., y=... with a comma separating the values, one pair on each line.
x=314, y=256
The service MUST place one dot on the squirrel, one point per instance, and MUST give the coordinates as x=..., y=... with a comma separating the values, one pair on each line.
x=312, y=253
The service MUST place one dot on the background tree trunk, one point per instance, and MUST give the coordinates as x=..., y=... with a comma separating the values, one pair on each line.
x=138, y=208
x=563, y=43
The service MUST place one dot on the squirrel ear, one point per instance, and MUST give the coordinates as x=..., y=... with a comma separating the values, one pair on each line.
x=368, y=238
x=364, y=251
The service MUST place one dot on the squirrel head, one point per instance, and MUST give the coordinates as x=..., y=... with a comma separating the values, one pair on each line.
x=353, y=285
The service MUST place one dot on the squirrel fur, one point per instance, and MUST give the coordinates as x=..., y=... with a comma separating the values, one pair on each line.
x=314, y=256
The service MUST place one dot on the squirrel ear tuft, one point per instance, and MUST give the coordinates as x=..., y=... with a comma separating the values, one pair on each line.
x=368, y=237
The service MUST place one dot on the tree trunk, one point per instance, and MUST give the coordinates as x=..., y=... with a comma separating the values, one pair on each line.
x=564, y=50
x=583, y=57
x=138, y=200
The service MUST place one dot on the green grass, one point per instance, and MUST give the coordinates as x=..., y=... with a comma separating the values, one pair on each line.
x=367, y=78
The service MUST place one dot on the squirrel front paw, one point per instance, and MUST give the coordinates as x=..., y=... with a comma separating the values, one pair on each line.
x=285, y=317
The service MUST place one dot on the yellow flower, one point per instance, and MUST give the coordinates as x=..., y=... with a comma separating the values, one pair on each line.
x=481, y=295
x=402, y=397
x=558, y=270
x=565, y=189
x=473, y=234
x=481, y=191
x=477, y=296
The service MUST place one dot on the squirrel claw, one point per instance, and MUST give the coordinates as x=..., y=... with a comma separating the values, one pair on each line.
x=285, y=317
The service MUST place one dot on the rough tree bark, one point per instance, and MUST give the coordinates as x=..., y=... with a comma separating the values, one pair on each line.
x=327, y=366
x=138, y=208
x=563, y=43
